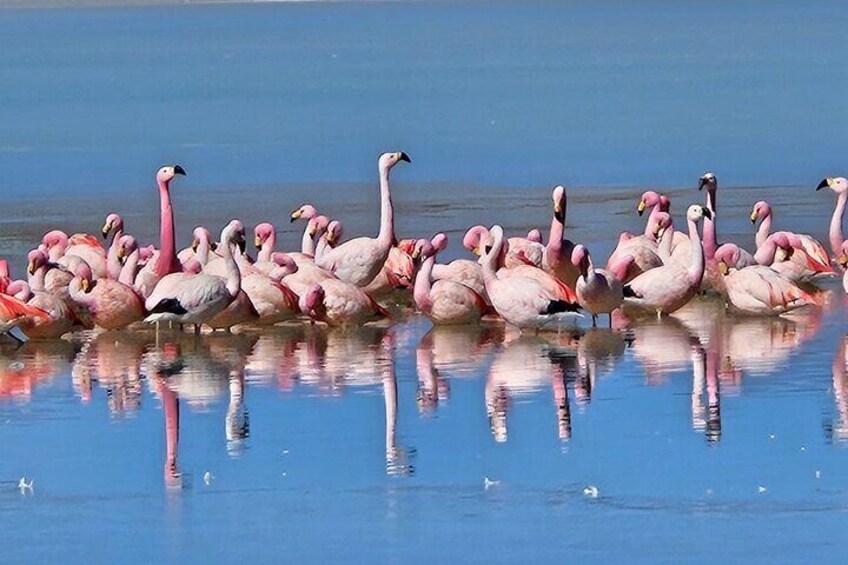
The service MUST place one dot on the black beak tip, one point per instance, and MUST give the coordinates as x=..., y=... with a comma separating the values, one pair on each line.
x=707, y=214
x=405, y=157
x=560, y=217
x=640, y=212
x=822, y=184
x=179, y=170
x=104, y=233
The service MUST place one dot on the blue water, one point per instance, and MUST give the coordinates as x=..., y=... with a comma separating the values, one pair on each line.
x=705, y=438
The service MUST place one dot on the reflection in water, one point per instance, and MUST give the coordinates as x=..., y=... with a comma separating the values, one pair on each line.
x=838, y=430
x=24, y=368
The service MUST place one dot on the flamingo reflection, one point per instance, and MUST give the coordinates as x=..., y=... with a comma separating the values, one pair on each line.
x=838, y=430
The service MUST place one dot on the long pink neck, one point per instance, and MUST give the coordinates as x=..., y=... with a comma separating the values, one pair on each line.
x=171, y=407
x=696, y=266
x=307, y=242
x=130, y=269
x=764, y=230
x=835, y=232
x=652, y=218
x=766, y=252
x=36, y=280
x=387, y=219
x=554, y=247
x=167, y=262
x=710, y=236
x=268, y=247
x=423, y=285
x=113, y=264
x=667, y=239
x=490, y=262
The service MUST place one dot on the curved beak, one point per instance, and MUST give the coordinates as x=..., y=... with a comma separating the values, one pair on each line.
x=179, y=170
x=86, y=285
x=416, y=253
x=121, y=253
x=295, y=215
x=404, y=157
x=257, y=242
x=707, y=214
x=641, y=207
x=722, y=268
x=194, y=245
x=825, y=182
x=31, y=267
x=659, y=232
x=754, y=216
x=213, y=246
x=331, y=238
x=559, y=213
x=104, y=231
x=702, y=183
x=477, y=251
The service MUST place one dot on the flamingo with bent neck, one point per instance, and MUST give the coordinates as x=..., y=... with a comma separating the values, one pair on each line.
x=60, y=248
x=758, y=289
x=520, y=250
x=668, y=288
x=340, y=303
x=444, y=302
x=522, y=301
x=637, y=254
x=306, y=211
x=111, y=304
x=598, y=290
x=202, y=248
x=196, y=299
x=59, y=318
x=113, y=225
x=557, y=257
x=809, y=256
x=166, y=261
x=839, y=185
x=272, y=299
x=359, y=260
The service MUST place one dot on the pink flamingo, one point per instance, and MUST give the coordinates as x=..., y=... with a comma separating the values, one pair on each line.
x=196, y=299
x=59, y=248
x=59, y=318
x=843, y=262
x=306, y=211
x=709, y=181
x=340, y=303
x=534, y=235
x=668, y=288
x=598, y=291
x=758, y=289
x=636, y=254
x=166, y=261
x=839, y=185
x=359, y=260
x=558, y=253
x=14, y=312
x=114, y=225
x=272, y=300
x=397, y=273
x=444, y=301
x=463, y=271
x=520, y=300
x=520, y=250
x=202, y=248
x=809, y=256
x=111, y=304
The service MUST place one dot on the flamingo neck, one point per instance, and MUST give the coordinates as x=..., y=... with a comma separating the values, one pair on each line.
x=36, y=280
x=652, y=218
x=423, y=285
x=233, y=273
x=307, y=243
x=835, y=232
x=268, y=247
x=764, y=230
x=203, y=251
x=167, y=262
x=710, y=235
x=130, y=268
x=696, y=266
x=490, y=262
x=387, y=219
x=171, y=407
x=113, y=264
x=321, y=248
x=765, y=253
x=666, y=240
x=78, y=295
x=554, y=247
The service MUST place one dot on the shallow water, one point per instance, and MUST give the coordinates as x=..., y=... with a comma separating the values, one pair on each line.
x=699, y=438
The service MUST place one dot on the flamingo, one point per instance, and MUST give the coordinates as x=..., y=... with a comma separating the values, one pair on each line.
x=520, y=251
x=839, y=185
x=463, y=271
x=397, y=273
x=444, y=301
x=166, y=261
x=59, y=318
x=306, y=211
x=598, y=291
x=272, y=300
x=668, y=288
x=843, y=262
x=520, y=300
x=111, y=304
x=758, y=289
x=637, y=254
x=202, y=248
x=340, y=303
x=113, y=225
x=359, y=260
x=196, y=299
x=558, y=252
x=59, y=249
x=809, y=256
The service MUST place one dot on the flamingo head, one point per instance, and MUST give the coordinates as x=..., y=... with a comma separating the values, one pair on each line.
x=696, y=213
x=55, y=239
x=261, y=233
x=168, y=172
x=422, y=249
x=113, y=222
x=843, y=256
x=313, y=299
x=492, y=245
x=781, y=239
x=20, y=290
x=233, y=234
x=559, y=203
x=146, y=253
x=439, y=242
x=201, y=235
x=580, y=259
x=708, y=181
x=389, y=160
x=649, y=200
x=660, y=224
x=334, y=232
x=473, y=239
x=317, y=225
x=665, y=203
x=285, y=264
x=82, y=272
x=761, y=210
x=36, y=259
x=727, y=257
x=192, y=267
x=126, y=246
x=307, y=212
x=839, y=185
x=534, y=235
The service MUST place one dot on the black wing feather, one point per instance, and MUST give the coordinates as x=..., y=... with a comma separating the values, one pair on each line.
x=170, y=305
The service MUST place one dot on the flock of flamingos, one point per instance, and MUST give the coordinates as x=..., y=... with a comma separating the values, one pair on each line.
x=74, y=281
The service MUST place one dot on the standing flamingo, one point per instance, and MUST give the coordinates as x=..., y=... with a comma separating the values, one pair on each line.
x=839, y=185
x=444, y=301
x=196, y=299
x=522, y=301
x=359, y=260
x=666, y=289
x=598, y=291
x=166, y=262
x=558, y=252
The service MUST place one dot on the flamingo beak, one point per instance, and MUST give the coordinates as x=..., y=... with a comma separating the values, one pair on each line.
x=242, y=244
x=86, y=285
x=702, y=183
x=104, y=231
x=331, y=238
x=754, y=215
x=843, y=260
x=31, y=267
x=194, y=245
x=825, y=182
x=476, y=251
x=179, y=170
x=404, y=157
x=659, y=232
x=213, y=246
x=722, y=268
x=416, y=253
x=257, y=242
x=295, y=215
x=707, y=214
x=121, y=253
x=641, y=207
x=559, y=213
